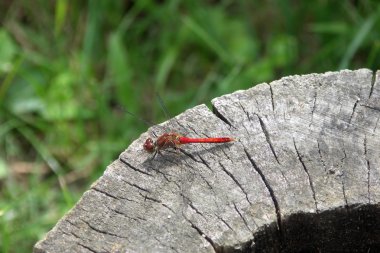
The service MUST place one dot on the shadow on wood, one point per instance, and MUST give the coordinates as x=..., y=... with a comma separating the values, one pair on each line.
x=349, y=229
x=303, y=176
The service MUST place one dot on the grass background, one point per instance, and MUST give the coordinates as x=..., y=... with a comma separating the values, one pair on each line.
x=66, y=66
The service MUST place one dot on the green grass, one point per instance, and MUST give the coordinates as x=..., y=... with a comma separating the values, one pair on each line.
x=65, y=66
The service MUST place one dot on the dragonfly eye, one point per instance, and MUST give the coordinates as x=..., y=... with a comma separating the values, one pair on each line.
x=149, y=145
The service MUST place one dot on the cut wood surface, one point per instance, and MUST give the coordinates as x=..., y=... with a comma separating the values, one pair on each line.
x=302, y=176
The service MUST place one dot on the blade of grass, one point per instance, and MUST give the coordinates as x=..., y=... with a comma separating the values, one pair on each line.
x=49, y=159
x=91, y=36
x=231, y=76
x=204, y=35
x=357, y=41
x=9, y=78
x=60, y=15
x=374, y=54
x=164, y=68
x=204, y=89
x=8, y=126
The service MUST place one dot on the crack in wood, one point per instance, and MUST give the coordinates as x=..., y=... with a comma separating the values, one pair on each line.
x=165, y=176
x=248, y=117
x=105, y=193
x=101, y=231
x=243, y=109
x=126, y=216
x=192, y=129
x=72, y=223
x=257, y=105
x=71, y=233
x=165, y=245
x=184, y=131
x=203, y=235
x=221, y=117
x=207, y=182
x=136, y=186
x=344, y=178
x=373, y=81
x=87, y=247
x=271, y=193
x=138, y=219
x=146, y=197
x=236, y=182
x=185, y=199
x=225, y=223
x=271, y=96
x=375, y=108
x=205, y=163
x=377, y=122
x=308, y=175
x=353, y=110
x=128, y=199
x=226, y=154
x=190, y=203
x=320, y=156
x=168, y=180
x=134, y=168
x=368, y=170
x=168, y=207
x=267, y=137
x=243, y=219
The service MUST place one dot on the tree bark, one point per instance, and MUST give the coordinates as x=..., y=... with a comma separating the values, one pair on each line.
x=302, y=176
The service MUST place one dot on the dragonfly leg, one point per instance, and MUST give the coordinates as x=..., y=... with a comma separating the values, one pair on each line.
x=176, y=149
x=174, y=145
x=155, y=153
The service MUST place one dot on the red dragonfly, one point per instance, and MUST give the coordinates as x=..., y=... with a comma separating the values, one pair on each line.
x=174, y=140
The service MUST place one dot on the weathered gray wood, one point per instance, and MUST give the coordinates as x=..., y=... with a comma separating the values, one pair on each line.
x=303, y=176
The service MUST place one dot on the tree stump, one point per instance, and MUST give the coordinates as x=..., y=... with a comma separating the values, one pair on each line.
x=302, y=176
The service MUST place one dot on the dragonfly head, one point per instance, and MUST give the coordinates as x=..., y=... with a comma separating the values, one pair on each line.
x=149, y=145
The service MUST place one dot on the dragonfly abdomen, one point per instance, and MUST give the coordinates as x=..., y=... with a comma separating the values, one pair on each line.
x=185, y=140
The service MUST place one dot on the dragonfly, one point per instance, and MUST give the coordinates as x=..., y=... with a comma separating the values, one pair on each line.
x=173, y=140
